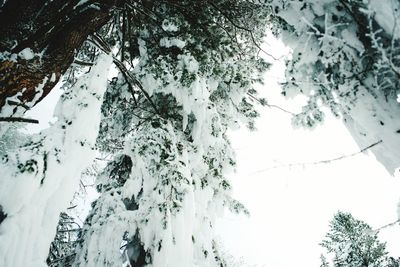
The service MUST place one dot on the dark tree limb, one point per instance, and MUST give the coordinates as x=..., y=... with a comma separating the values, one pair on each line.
x=15, y=119
x=53, y=30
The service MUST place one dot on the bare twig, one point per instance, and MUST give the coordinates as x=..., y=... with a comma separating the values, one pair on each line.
x=70, y=230
x=387, y=226
x=326, y=161
x=264, y=103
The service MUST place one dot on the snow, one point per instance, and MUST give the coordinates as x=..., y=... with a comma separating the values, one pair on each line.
x=183, y=235
x=18, y=111
x=368, y=112
x=81, y=2
x=39, y=90
x=179, y=168
x=169, y=26
x=170, y=42
x=387, y=14
x=34, y=194
x=165, y=231
x=373, y=119
x=26, y=54
x=351, y=39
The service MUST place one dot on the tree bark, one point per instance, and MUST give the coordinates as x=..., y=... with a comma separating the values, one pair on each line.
x=53, y=30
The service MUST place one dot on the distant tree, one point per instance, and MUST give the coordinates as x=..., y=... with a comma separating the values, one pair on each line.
x=354, y=243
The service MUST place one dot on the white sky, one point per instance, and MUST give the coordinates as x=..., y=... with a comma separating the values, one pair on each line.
x=291, y=206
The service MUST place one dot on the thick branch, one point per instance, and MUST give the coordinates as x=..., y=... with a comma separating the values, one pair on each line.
x=53, y=30
x=15, y=119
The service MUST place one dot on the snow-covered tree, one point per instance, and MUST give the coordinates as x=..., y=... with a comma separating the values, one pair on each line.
x=354, y=243
x=38, y=179
x=346, y=58
x=185, y=74
x=166, y=185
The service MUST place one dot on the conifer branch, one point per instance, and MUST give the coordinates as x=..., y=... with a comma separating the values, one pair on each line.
x=240, y=27
x=100, y=43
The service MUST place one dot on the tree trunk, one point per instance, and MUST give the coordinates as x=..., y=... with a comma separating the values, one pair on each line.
x=53, y=30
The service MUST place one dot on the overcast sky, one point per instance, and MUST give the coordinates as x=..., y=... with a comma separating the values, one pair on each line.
x=291, y=206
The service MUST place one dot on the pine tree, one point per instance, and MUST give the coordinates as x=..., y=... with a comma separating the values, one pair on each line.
x=161, y=210
x=186, y=70
x=354, y=243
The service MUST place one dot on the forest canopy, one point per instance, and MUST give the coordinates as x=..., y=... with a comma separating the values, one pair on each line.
x=151, y=88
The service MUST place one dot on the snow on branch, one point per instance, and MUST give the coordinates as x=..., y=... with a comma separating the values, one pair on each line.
x=101, y=44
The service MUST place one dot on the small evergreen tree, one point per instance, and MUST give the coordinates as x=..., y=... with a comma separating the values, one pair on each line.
x=354, y=243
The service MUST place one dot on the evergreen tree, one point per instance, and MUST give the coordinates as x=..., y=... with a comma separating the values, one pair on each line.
x=354, y=243
x=186, y=71
x=161, y=209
